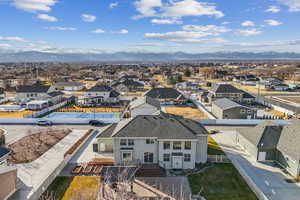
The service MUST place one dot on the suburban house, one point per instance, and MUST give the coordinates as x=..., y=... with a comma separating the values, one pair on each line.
x=219, y=91
x=99, y=95
x=27, y=93
x=169, y=141
x=70, y=86
x=2, y=96
x=227, y=109
x=269, y=142
x=128, y=85
x=281, y=87
x=166, y=95
x=8, y=175
x=143, y=106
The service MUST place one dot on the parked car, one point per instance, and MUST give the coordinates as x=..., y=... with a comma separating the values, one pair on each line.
x=96, y=123
x=44, y=123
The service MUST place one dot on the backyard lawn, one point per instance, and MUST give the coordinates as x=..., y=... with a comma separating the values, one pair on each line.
x=83, y=187
x=78, y=187
x=187, y=112
x=221, y=182
x=213, y=147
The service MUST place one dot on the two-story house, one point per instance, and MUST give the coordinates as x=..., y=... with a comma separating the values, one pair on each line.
x=38, y=92
x=100, y=94
x=219, y=91
x=170, y=141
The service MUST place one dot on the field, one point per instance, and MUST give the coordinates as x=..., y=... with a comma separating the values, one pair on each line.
x=187, y=112
x=221, y=182
x=254, y=90
x=20, y=114
x=31, y=147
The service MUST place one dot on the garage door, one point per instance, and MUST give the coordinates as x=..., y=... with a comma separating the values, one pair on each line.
x=262, y=156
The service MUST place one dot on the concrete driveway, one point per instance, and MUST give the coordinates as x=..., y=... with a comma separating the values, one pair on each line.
x=269, y=179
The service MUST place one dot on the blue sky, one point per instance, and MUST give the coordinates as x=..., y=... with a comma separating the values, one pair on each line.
x=150, y=25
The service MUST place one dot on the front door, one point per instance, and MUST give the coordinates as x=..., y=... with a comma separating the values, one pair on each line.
x=177, y=162
x=148, y=157
x=262, y=156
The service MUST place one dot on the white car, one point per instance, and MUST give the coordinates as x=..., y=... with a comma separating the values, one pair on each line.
x=44, y=123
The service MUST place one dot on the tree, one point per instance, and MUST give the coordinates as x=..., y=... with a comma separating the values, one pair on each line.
x=187, y=73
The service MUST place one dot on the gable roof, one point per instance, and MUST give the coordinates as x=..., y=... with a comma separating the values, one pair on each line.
x=160, y=127
x=164, y=93
x=128, y=82
x=55, y=93
x=289, y=140
x=145, y=100
x=225, y=88
x=35, y=88
x=226, y=104
x=100, y=88
x=264, y=135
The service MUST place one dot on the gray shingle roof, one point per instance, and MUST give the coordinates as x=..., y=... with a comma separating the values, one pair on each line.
x=225, y=104
x=145, y=100
x=36, y=88
x=100, y=88
x=160, y=127
x=225, y=88
x=290, y=139
x=164, y=93
x=69, y=84
x=265, y=135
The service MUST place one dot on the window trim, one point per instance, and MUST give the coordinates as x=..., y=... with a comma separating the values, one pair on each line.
x=188, y=156
x=168, y=156
x=167, y=142
x=185, y=142
x=177, y=148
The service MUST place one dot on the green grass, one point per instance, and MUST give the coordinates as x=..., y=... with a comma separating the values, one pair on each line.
x=221, y=182
x=59, y=186
x=213, y=151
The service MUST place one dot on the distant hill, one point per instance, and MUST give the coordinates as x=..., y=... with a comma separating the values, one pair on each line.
x=35, y=56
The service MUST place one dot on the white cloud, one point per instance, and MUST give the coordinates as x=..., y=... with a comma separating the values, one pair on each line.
x=12, y=39
x=114, y=4
x=146, y=8
x=5, y=45
x=88, y=18
x=123, y=31
x=34, y=5
x=208, y=28
x=294, y=5
x=249, y=32
x=47, y=18
x=183, y=36
x=165, y=21
x=272, y=22
x=226, y=23
x=176, y=9
x=248, y=23
x=60, y=28
x=273, y=9
x=98, y=31
x=154, y=45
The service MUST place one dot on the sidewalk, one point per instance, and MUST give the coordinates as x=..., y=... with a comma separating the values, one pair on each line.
x=268, y=179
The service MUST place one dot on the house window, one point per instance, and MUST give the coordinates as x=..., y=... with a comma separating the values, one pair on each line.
x=167, y=145
x=242, y=111
x=126, y=156
x=187, y=145
x=187, y=157
x=249, y=111
x=123, y=142
x=148, y=157
x=149, y=141
x=176, y=145
x=166, y=157
x=130, y=142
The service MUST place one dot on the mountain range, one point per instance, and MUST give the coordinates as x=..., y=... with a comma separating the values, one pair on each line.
x=36, y=56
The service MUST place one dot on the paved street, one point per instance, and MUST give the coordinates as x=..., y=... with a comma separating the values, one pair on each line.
x=270, y=180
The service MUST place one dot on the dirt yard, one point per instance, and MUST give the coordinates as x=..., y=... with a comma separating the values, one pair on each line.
x=291, y=99
x=31, y=147
x=187, y=112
